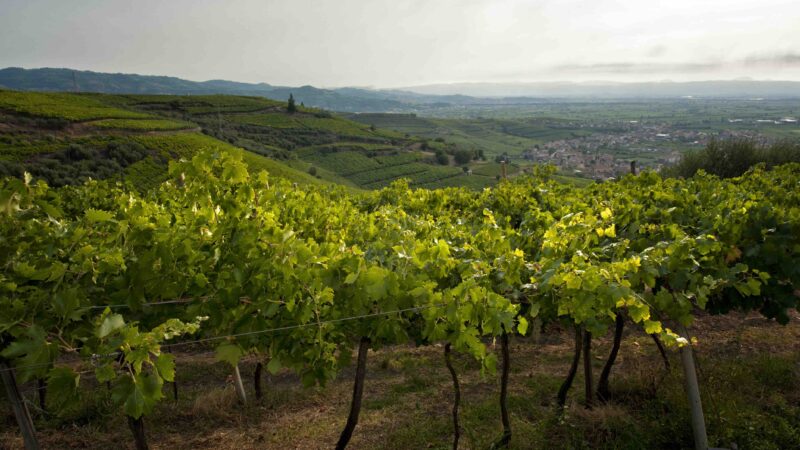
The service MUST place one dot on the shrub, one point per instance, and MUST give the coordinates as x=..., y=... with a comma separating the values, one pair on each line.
x=732, y=158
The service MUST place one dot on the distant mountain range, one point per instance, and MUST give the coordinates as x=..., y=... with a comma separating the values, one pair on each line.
x=606, y=89
x=410, y=99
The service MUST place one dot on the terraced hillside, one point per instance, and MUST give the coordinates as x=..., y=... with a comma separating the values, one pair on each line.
x=492, y=136
x=66, y=138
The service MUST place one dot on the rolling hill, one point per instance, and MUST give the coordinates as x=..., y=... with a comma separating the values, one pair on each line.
x=66, y=138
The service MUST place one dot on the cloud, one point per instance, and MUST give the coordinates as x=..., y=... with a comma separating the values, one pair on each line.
x=639, y=68
x=656, y=51
x=783, y=60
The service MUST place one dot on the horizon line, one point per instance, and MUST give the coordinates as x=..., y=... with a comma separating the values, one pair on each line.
x=431, y=84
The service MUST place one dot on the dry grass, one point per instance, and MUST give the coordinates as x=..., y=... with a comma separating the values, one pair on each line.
x=215, y=404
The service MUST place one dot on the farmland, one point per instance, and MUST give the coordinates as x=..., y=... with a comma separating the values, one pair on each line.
x=68, y=107
x=68, y=138
x=597, y=139
x=182, y=298
x=142, y=124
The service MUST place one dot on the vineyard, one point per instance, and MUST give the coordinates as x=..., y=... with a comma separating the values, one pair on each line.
x=104, y=287
x=41, y=131
x=145, y=125
x=64, y=106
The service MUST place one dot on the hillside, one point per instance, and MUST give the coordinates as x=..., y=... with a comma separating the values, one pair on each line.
x=65, y=138
x=68, y=80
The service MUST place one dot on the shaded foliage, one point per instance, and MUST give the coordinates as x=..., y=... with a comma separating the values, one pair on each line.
x=732, y=158
x=77, y=163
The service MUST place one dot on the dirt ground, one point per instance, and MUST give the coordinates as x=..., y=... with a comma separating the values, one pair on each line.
x=748, y=368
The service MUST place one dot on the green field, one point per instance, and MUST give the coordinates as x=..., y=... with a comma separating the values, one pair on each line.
x=142, y=124
x=493, y=136
x=323, y=124
x=194, y=104
x=71, y=107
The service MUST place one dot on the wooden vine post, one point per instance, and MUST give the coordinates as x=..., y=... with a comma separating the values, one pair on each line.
x=238, y=385
x=693, y=392
x=18, y=404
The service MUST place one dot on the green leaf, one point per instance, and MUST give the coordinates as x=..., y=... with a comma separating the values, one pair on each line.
x=151, y=385
x=135, y=403
x=165, y=364
x=236, y=173
x=572, y=281
x=49, y=209
x=200, y=280
x=522, y=326
x=754, y=285
x=351, y=278
x=96, y=215
x=638, y=312
x=62, y=388
x=229, y=353
x=105, y=373
x=651, y=327
x=110, y=324
x=274, y=365
x=535, y=308
x=375, y=282
x=33, y=352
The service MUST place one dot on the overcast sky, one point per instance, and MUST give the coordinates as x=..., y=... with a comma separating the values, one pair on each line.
x=394, y=43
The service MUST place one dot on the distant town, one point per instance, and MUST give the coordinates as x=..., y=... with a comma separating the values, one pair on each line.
x=604, y=155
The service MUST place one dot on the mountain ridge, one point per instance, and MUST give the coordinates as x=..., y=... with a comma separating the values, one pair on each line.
x=407, y=99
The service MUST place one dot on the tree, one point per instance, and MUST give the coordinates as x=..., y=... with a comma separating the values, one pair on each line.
x=290, y=107
x=463, y=156
x=441, y=158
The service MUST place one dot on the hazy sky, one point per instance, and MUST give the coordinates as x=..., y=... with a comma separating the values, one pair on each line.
x=391, y=43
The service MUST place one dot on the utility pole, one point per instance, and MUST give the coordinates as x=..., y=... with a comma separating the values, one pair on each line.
x=74, y=82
